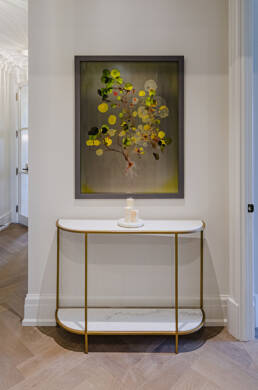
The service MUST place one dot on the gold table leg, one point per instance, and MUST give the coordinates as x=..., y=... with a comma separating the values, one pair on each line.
x=176, y=291
x=86, y=293
x=201, y=271
x=57, y=270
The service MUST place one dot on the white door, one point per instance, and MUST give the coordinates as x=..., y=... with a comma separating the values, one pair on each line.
x=255, y=160
x=23, y=169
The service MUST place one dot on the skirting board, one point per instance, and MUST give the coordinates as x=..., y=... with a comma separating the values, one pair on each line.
x=233, y=317
x=39, y=310
x=5, y=219
x=256, y=309
x=23, y=220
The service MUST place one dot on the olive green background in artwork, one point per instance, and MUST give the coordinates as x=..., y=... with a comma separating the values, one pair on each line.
x=106, y=174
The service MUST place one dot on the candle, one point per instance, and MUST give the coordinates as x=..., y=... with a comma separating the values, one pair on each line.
x=127, y=213
x=134, y=215
x=130, y=202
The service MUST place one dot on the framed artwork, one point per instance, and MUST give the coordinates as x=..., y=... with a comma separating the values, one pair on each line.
x=129, y=121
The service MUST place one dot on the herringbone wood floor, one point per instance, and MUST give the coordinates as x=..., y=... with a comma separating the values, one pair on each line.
x=52, y=359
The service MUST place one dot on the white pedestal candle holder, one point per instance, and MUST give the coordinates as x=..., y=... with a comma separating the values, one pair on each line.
x=131, y=218
x=125, y=224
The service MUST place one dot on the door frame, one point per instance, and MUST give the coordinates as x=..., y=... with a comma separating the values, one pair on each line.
x=20, y=218
x=241, y=264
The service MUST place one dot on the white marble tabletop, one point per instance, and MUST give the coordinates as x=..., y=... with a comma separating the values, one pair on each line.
x=154, y=226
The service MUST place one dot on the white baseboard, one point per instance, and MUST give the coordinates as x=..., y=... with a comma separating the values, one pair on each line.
x=5, y=220
x=23, y=220
x=233, y=318
x=256, y=309
x=39, y=310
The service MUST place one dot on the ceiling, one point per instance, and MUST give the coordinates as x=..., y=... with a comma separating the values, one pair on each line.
x=14, y=34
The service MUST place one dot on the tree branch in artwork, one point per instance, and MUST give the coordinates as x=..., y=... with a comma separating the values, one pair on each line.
x=133, y=120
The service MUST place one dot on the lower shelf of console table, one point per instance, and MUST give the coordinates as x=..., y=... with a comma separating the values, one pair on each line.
x=130, y=321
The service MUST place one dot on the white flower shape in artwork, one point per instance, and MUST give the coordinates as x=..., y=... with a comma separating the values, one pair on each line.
x=150, y=84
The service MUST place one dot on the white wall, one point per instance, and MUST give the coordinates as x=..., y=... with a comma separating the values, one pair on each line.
x=7, y=143
x=132, y=270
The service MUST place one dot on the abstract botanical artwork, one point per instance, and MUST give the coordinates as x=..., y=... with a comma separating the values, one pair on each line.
x=129, y=127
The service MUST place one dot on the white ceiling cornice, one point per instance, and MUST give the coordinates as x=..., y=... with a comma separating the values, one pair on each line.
x=14, y=35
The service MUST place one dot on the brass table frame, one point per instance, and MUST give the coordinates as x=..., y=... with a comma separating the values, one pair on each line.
x=175, y=333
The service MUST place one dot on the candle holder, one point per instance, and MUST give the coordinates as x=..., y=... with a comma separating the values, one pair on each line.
x=125, y=224
x=130, y=219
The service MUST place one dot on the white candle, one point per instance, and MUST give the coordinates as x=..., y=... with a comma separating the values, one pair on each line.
x=130, y=202
x=134, y=215
x=127, y=213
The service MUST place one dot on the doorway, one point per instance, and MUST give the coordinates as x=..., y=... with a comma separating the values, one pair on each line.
x=23, y=168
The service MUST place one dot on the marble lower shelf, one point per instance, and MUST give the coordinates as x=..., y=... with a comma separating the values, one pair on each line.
x=121, y=320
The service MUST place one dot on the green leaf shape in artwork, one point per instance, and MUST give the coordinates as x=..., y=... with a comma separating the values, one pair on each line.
x=152, y=92
x=124, y=125
x=107, y=80
x=119, y=80
x=104, y=129
x=93, y=131
x=104, y=79
x=156, y=156
x=103, y=92
x=106, y=72
x=126, y=141
x=148, y=101
x=128, y=86
x=92, y=137
x=168, y=140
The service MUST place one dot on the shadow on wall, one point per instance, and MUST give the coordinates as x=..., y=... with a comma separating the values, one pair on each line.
x=130, y=271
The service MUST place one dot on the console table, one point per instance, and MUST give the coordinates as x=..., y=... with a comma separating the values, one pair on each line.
x=131, y=320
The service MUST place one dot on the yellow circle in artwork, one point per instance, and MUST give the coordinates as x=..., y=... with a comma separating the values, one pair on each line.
x=96, y=142
x=112, y=119
x=115, y=73
x=128, y=87
x=99, y=152
x=161, y=134
x=108, y=141
x=103, y=107
x=142, y=93
x=146, y=127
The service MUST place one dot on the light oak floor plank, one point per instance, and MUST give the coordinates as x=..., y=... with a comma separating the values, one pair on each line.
x=49, y=358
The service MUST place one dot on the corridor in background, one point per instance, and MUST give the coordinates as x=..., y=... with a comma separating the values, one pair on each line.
x=23, y=168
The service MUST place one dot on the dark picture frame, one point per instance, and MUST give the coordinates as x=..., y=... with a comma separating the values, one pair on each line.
x=179, y=60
